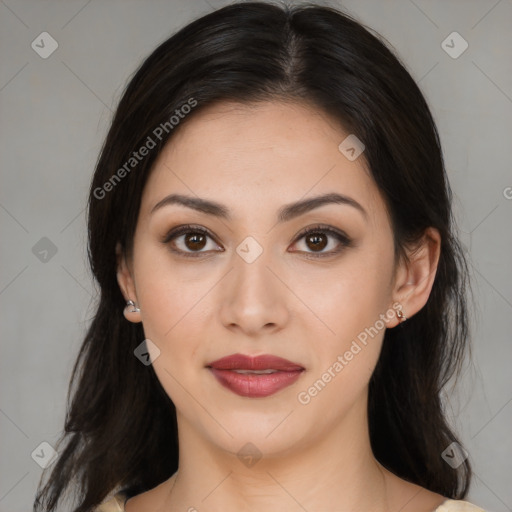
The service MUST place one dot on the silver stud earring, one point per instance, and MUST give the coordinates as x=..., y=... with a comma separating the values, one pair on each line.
x=131, y=307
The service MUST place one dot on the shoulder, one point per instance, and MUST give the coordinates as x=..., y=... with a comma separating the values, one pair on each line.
x=409, y=497
x=458, y=506
x=113, y=504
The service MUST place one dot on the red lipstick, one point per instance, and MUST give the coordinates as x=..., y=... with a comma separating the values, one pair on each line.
x=255, y=377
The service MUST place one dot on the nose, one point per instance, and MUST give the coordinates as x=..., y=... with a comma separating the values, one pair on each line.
x=255, y=297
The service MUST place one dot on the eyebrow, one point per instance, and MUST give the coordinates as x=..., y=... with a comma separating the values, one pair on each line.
x=285, y=213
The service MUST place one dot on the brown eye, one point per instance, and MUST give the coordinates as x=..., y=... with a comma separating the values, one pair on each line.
x=188, y=241
x=317, y=238
x=316, y=241
x=195, y=241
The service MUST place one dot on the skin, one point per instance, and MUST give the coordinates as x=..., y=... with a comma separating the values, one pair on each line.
x=315, y=456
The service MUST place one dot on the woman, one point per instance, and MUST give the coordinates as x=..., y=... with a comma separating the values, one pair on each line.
x=272, y=211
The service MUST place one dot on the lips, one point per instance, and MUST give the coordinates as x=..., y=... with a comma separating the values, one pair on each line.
x=255, y=377
x=263, y=362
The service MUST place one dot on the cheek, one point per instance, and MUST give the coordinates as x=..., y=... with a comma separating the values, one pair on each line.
x=172, y=319
x=350, y=302
x=170, y=302
x=351, y=297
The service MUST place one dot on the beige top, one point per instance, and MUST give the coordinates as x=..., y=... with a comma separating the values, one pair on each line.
x=116, y=504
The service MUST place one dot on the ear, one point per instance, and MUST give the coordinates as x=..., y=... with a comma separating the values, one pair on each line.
x=126, y=284
x=415, y=277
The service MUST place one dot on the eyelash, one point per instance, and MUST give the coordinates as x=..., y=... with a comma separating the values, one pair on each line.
x=344, y=240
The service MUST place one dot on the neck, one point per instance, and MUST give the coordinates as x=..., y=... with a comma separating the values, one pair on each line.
x=334, y=471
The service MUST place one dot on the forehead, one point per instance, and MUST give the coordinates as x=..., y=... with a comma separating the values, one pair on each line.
x=256, y=154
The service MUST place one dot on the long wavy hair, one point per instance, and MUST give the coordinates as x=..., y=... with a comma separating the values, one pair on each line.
x=120, y=428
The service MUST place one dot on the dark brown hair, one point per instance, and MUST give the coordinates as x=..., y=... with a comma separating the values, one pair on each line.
x=120, y=427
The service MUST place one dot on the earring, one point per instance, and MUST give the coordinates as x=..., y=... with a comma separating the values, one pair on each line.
x=130, y=303
x=401, y=315
x=132, y=312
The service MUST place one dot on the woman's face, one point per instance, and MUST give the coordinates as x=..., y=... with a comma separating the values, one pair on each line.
x=254, y=284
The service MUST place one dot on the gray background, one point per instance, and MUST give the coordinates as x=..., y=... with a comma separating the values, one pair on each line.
x=55, y=113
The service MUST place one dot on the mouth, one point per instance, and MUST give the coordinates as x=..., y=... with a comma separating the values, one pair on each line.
x=255, y=377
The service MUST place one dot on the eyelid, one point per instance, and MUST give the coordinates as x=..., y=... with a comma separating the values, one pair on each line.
x=324, y=228
x=340, y=235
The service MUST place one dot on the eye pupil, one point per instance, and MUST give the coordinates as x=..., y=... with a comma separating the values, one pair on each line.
x=315, y=238
x=192, y=238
